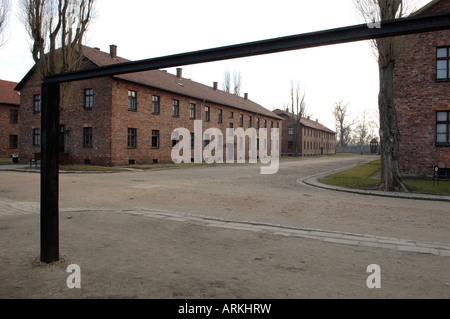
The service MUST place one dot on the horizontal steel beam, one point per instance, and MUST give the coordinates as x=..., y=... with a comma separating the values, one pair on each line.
x=360, y=32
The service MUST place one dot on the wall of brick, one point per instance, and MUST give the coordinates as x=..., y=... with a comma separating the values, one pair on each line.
x=418, y=96
x=144, y=121
x=7, y=129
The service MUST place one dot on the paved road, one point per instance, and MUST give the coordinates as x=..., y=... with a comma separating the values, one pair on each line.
x=220, y=230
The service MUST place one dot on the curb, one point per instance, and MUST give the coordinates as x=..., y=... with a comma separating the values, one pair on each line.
x=313, y=182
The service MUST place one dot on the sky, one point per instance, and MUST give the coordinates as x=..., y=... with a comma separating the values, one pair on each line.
x=146, y=29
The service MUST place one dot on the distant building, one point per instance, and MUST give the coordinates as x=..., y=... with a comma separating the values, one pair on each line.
x=422, y=101
x=9, y=119
x=314, y=138
x=129, y=119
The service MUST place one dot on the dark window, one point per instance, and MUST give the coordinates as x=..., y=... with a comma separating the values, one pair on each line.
x=220, y=117
x=207, y=114
x=175, y=108
x=132, y=100
x=192, y=140
x=13, y=117
x=132, y=138
x=155, y=139
x=192, y=111
x=443, y=63
x=155, y=104
x=36, y=103
x=87, y=137
x=443, y=127
x=88, y=98
x=13, y=141
x=36, y=137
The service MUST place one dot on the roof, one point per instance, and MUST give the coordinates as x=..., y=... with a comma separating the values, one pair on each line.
x=305, y=121
x=169, y=82
x=425, y=7
x=7, y=93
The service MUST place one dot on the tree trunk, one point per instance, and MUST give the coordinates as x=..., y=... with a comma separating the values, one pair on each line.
x=389, y=131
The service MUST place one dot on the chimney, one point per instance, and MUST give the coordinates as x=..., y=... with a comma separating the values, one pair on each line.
x=179, y=73
x=246, y=96
x=113, y=51
x=216, y=86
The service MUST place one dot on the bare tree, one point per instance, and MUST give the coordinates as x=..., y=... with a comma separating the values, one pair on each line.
x=57, y=29
x=343, y=128
x=5, y=8
x=298, y=109
x=237, y=82
x=226, y=86
x=389, y=51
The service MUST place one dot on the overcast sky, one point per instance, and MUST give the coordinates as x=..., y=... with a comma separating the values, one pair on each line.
x=145, y=29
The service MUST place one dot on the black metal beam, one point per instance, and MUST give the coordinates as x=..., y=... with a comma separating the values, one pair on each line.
x=50, y=173
x=360, y=32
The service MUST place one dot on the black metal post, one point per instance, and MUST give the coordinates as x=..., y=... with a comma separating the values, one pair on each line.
x=50, y=173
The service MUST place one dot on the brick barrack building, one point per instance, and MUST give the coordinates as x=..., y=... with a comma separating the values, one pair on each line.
x=422, y=100
x=9, y=119
x=129, y=119
x=314, y=138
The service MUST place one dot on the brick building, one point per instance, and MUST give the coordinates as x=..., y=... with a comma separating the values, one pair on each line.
x=314, y=138
x=422, y=100
x=9, y=119
x=127, y=119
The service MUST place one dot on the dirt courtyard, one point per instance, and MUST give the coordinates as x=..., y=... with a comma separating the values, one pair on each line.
x=221, y=231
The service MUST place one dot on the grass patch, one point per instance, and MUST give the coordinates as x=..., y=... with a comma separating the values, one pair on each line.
x=6, y=161
x=90, y=168
x=365, y=177
x=360, y=177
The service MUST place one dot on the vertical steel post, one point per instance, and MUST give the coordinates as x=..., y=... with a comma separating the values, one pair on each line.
x=50, y=173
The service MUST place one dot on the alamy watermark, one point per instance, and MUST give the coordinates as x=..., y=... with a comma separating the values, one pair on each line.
x=209, y=147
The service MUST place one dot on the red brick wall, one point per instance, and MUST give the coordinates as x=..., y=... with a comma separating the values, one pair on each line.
x=418, y=96
x=144, y=121
x=110, y=120
x=7, y=129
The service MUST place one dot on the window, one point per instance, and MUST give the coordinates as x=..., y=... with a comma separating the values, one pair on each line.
x=175, y=108
x=155, y=104
x=87, y=137
x=13, y=117
x=132, y=100
x=36, y=103
x=88, y=98
x=231, y=115
x=36, y=137
x=13, y=141
x=207, y=114
x=443, y=127
x=132, y=138
x=443, y=63
x=155, y=139
x=192, y=111
x=220, y=117
x=250, y=121
x=241, y=120
x=291, y=130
